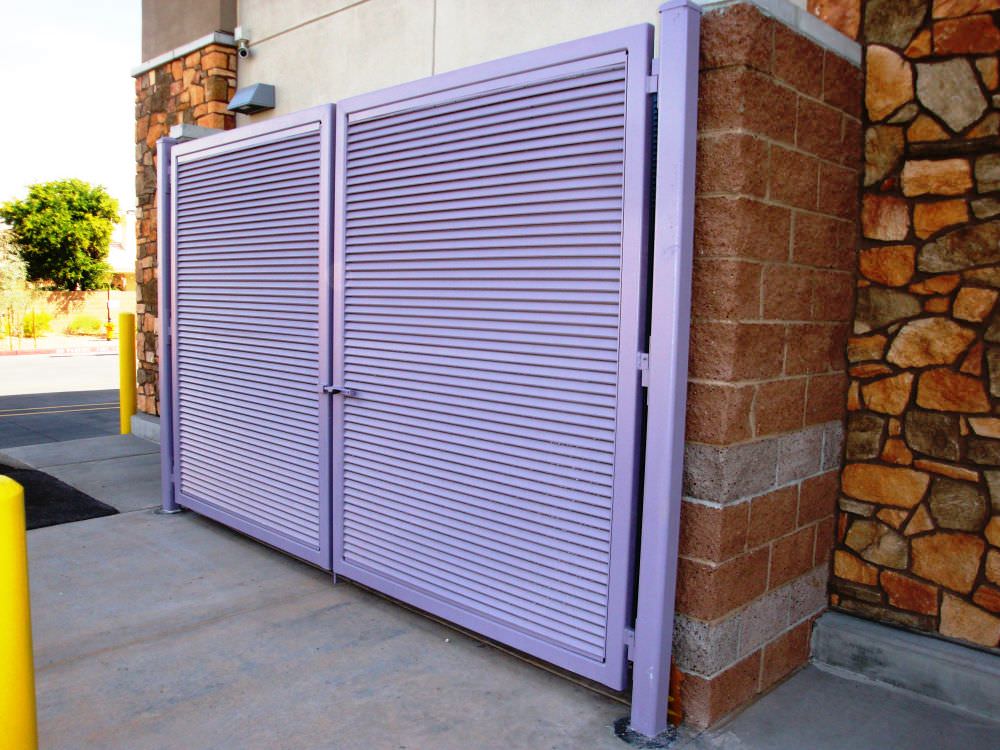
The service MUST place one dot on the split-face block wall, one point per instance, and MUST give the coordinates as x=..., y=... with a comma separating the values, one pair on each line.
x=918, y=541
x=777, y=174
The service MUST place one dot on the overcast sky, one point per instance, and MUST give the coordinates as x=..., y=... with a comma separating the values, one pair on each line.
x=67, y=106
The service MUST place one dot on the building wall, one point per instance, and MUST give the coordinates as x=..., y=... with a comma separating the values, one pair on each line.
x=777, y=172
x=166, y=25
x=317, y=51
x=193, y=89
x=919, y=528
x=843, y=15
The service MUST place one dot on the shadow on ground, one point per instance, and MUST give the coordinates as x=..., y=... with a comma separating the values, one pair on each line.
x=49, y=502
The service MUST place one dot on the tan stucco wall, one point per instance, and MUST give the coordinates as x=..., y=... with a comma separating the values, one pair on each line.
x=167, y=25
x=317, y=51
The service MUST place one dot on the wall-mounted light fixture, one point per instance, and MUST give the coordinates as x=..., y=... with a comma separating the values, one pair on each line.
x=252, y=99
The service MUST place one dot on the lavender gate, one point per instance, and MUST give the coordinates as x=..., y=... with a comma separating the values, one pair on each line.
x=407, y=340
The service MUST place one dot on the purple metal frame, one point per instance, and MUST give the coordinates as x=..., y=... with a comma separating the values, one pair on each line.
x=668, y=344
x=165, y=309
x=232, y=139
x=673, y=243
x=571, y=56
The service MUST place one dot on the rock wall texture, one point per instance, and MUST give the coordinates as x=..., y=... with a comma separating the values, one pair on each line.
x=918, y=539
x=843, y=15
x=777, y=173
x=194, y=89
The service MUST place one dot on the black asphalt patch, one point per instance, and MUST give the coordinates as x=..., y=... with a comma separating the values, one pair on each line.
x=49, y=502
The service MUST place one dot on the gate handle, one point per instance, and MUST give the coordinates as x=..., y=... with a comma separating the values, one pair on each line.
x=334, y=389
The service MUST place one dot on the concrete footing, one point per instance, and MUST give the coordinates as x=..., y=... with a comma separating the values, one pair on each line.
x=146, y=426
x=960, y=677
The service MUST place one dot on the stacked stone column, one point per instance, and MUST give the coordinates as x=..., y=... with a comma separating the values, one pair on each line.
x=194, y=89
x=918, y=541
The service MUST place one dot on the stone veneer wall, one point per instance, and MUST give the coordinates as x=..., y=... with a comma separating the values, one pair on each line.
x=919, y=530
x=194, y=89
x=777, y=174
x=843, y=15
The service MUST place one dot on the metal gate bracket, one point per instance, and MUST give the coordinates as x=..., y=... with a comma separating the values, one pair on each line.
x=629, y=642
x=642, y=362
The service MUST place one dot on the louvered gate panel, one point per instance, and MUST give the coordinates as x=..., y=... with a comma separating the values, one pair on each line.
x=489, y=247
x=250, y=346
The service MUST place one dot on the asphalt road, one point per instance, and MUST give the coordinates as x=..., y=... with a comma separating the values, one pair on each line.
x=50, y=398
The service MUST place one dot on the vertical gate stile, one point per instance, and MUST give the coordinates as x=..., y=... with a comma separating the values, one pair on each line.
x=172, y=293
x=327, y=322
x=164, y=309
x=337, y=325
x=668, y=356
x=635, y=212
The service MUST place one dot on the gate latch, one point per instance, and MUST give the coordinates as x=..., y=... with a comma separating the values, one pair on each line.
x=334, y=389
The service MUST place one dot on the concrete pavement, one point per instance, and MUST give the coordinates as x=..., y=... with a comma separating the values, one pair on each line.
x=120, y=470
x=174, y=632
x=49, y=398
x=816, y=710
x=185, y=635
x=50, y=417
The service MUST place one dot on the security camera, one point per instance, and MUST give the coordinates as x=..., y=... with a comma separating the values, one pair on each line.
x=242, y=43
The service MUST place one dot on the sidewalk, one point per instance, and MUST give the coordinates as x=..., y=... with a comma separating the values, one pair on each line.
x=174, y=632
x=59, y=344
x=120, y=470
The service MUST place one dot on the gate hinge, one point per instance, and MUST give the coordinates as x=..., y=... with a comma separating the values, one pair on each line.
x=642, y=362
x=653, y=79
x=629, y=643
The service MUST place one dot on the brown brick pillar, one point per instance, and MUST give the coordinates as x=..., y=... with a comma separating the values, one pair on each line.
x=777, y=173
x=193, y=89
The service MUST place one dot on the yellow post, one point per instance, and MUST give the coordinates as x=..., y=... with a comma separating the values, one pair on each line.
x=18, y=725
x=126, y=371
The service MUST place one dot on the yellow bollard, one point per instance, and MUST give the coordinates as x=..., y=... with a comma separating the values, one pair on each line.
x=18, y=726
x=126, y=371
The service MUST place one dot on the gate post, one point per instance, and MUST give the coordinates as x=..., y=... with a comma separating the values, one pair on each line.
x=673, y=238
x=126, y=371
x=18, y=721
x=164, y=311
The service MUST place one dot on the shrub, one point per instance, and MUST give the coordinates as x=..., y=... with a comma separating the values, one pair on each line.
x=85, y=325
x=37, y=324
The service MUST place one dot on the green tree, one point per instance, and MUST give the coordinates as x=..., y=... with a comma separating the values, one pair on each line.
x=14, y=291
x=64, y=230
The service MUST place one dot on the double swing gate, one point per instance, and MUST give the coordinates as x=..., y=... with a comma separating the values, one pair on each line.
x=405, y=334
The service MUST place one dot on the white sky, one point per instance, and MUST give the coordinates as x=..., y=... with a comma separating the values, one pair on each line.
x=67, y=101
